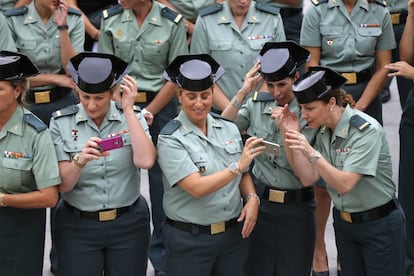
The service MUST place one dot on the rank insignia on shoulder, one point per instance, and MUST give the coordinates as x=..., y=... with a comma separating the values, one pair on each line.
x=117, y=9
x=358, y=122
x=171, y=15
x=70, y=110
x=135, y=107
x=17, y=11
x=267, y=8
x=210, y=9
x=262, y=97
x=317, y=2
x=170, y=127
x=35, y=122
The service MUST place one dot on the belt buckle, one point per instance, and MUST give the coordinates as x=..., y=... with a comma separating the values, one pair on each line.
x=42, y=97
x=277, y=196
x=351, y=78
x=345, y=216
x=395, y=18
x=107, y=215
x=217, y=228
x=141, y=97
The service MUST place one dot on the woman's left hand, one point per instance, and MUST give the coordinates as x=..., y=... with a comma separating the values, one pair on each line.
x=297, y=140
x=129, y=92
x=60, y=13
x=249, y=215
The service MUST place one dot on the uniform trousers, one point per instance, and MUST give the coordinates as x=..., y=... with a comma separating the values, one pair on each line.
x=22, y=239
x=374, y=109
x=157, y=249
x=406, y=176
x=194, y=254
x=374, y=248
x=283, y=240
x=88, y=247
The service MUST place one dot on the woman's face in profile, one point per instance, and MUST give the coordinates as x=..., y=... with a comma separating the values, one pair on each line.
x=8, y=96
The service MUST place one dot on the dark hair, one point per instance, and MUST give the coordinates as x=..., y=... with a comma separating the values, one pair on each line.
x=342, y=98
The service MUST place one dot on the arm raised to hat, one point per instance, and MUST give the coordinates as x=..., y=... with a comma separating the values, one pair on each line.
x=251, y=81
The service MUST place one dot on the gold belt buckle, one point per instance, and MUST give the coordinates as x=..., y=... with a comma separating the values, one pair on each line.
x=277, y=196
x=345, y=216
x=107, y=215
x=351, y=78
x=42, y=97
x=141, y=97
x=395, y=18
x=217, y=228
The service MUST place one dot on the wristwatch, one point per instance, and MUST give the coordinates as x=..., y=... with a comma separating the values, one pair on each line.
x=316, y=156
x=234, y=168
x=75, y=161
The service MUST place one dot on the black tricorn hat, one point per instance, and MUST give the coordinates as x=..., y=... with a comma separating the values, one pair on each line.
x=16, y=66
x=194, y=72
x=318, y=82
x=279, y=60
x=96, y=72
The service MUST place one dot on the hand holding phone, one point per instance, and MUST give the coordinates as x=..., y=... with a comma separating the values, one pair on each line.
x=111, y=143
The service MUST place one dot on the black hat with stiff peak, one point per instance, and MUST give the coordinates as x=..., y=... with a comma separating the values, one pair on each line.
x=194, y=72
x=317, y=83
x=16, y=66
x=96, y=72
x=279, y=60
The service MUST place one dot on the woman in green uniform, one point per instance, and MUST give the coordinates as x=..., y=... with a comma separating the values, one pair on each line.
x=351, y=155
x=205, y=176
x=28, y=170
x=102, y=222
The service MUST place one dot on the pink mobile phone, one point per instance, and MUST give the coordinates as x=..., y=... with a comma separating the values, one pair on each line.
x=111, y=143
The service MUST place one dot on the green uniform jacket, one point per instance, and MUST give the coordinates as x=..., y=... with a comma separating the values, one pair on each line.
x=27, y=162
x=364, y=151
x=186, y=151
x=148, y=49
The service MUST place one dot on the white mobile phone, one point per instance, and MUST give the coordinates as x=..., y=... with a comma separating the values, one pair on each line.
x=271, y=148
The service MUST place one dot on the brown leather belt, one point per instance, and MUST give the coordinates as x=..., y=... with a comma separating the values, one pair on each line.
x=144, y=97
x=101, y=215
x=370, y=215
x=399, y=17
x=48, y=96
x=357, y=77
x=212, y=229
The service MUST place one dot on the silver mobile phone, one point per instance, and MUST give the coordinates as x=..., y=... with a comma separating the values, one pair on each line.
x=271, y=148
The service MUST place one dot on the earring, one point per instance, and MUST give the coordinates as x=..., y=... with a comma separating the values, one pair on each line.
x=331, y=109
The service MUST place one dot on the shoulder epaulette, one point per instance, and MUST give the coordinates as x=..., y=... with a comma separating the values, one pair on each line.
x=218, y=116
x=35, y=122
x=70, y=110
x=74, y=11
x=117, y=9
x=267, y=8
x=17, y=11
x=170, y=127
x=171, y=15
x=210, y=9
x=317, y=2
x=358, y=122
x=262, y=97
x=136, y=107
x=379, y=2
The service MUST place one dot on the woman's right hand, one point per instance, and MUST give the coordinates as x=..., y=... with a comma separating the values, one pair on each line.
x=252, y=148
x=90, y=151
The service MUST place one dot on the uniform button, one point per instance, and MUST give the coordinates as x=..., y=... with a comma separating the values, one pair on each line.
x=104, y=206
x=104, y=192
x=103, y=177
x=225, y=209
x=339, y=195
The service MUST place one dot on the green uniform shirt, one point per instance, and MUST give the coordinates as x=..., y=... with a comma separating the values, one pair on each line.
x=148, y=49
x=187, y=150
x=348, y=42
x=6, y=41
x=40, y=42
x=364, y=152
x=7, y=4
x=274, y=171
x=232, y=47
x=397, y=5
x=189, y=8
x=27, y=162
x=109, y=182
